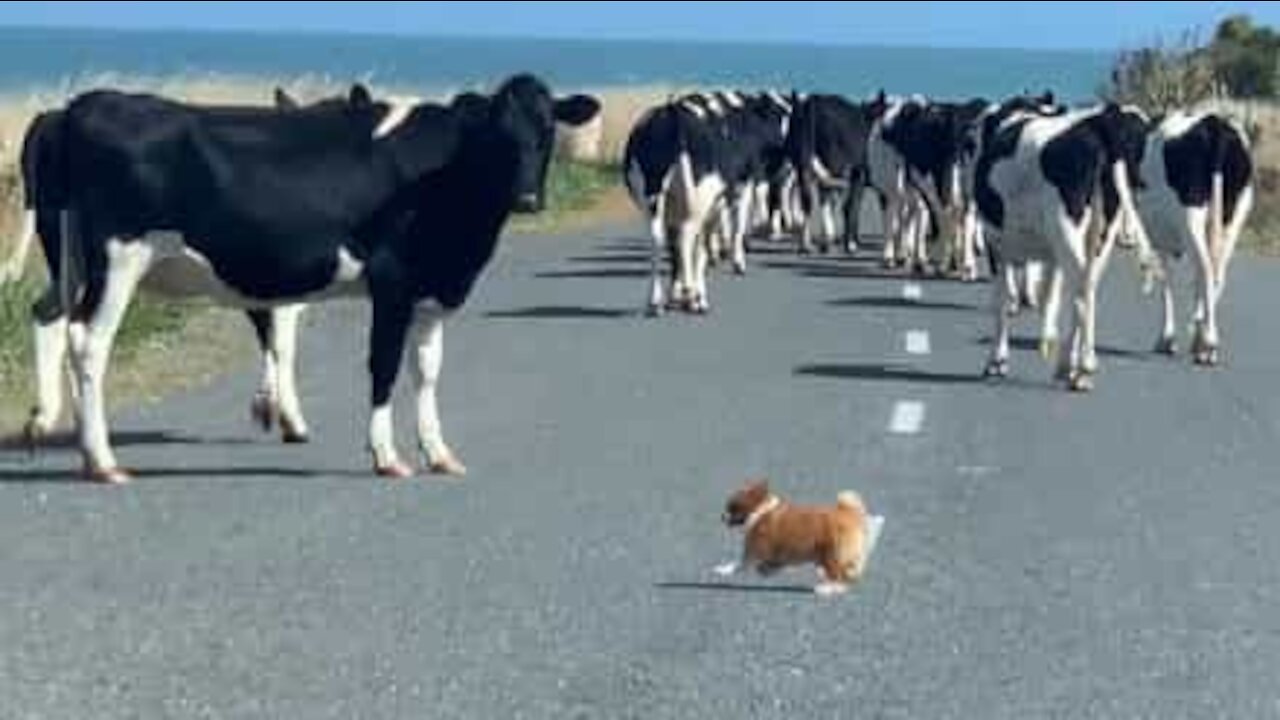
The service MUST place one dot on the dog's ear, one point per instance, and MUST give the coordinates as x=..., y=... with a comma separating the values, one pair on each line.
x=760, y=485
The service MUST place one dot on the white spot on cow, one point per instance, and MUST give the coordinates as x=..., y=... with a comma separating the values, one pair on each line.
x=349, y=268
x=400, y=108
x=694, y=108
x=733, y=99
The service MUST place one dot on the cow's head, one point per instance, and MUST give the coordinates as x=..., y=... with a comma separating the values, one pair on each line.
x=524, y=110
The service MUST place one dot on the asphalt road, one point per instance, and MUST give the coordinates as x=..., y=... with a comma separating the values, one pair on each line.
x=1046, y=555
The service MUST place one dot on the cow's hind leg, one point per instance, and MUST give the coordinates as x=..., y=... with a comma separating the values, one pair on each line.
x=126, y=264
x=429, y=332
x=49, y=325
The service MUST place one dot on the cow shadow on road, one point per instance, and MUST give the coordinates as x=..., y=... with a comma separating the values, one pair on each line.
x=1030, y=344
x=561, y=312
x=70, y=476
x=62, y=441
x=887, y=373
x=612, y=273
x=893, y=303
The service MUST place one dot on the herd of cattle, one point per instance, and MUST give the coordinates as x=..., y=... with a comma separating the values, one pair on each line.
x=403, y=202
x=1046, y=192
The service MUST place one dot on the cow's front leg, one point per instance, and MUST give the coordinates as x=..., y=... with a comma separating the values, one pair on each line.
x=386, y=349
x=429, y=335
x=284, y=346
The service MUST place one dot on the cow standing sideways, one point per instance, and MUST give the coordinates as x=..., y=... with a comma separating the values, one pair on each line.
x=44, y=194
x=260, y=208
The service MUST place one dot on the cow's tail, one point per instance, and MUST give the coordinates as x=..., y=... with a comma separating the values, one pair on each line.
x=1216, y=231
x=680, y=189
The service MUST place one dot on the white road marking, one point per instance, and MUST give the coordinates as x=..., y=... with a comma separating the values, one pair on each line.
x=912, y=292
x=908, y=417
x=918, y=342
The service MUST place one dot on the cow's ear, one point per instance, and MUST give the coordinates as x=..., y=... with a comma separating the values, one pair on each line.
x=284, y=101
x=577, y=109
x=360, y=96
x=1048, y=98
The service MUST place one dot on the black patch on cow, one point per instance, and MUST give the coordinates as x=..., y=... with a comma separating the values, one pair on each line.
x=999, y=144
x=1209, y=146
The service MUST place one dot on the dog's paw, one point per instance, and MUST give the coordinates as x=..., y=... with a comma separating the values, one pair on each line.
x=725, y=570
x=830, y=589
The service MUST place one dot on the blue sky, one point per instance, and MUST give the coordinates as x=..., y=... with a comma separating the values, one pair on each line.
x=1101, y=25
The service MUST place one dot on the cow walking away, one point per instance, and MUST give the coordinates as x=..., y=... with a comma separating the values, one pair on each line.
x=1198, y=193
x=1058, y=190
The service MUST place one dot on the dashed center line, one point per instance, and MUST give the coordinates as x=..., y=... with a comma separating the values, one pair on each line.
x=908, y=417
x=912, y=292
x=918, y=342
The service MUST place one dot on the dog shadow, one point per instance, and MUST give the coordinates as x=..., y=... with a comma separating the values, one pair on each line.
x=728, y=587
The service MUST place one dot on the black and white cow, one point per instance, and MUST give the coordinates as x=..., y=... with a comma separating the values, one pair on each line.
x=262, y=208
x=918, y=151
x=1057, y=190
x=1198, y=194
x=695, y=167
x=827, y=146
x=44, y=201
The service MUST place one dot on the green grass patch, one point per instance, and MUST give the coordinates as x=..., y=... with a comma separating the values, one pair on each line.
x=149, y=321
x=572, y=187
x=1262, y=233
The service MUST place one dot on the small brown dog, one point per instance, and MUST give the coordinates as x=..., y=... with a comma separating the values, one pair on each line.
x=838, y=540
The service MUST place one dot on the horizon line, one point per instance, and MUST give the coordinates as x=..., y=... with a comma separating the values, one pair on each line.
x=538, y=37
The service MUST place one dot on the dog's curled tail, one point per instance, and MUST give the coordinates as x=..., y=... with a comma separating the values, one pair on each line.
x=850, y=500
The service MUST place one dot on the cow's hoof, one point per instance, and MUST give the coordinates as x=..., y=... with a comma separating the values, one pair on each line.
x=889, y=264
x=1048, y=348
x=108, y=476
x=1207, y=356
x=740, y=269
x=295, y=438
x=263, y=412
x=395, y=471
x=851, y=249
x=1167, y=346
x=33, y=433
x=655, y=310
x=700, y=307
x=448, y=466
x=996, y=370
x=1082, y=382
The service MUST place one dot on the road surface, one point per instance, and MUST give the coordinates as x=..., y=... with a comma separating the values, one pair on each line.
x=1045, y=554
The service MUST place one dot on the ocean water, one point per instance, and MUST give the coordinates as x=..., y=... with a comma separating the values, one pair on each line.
x=40, y=58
